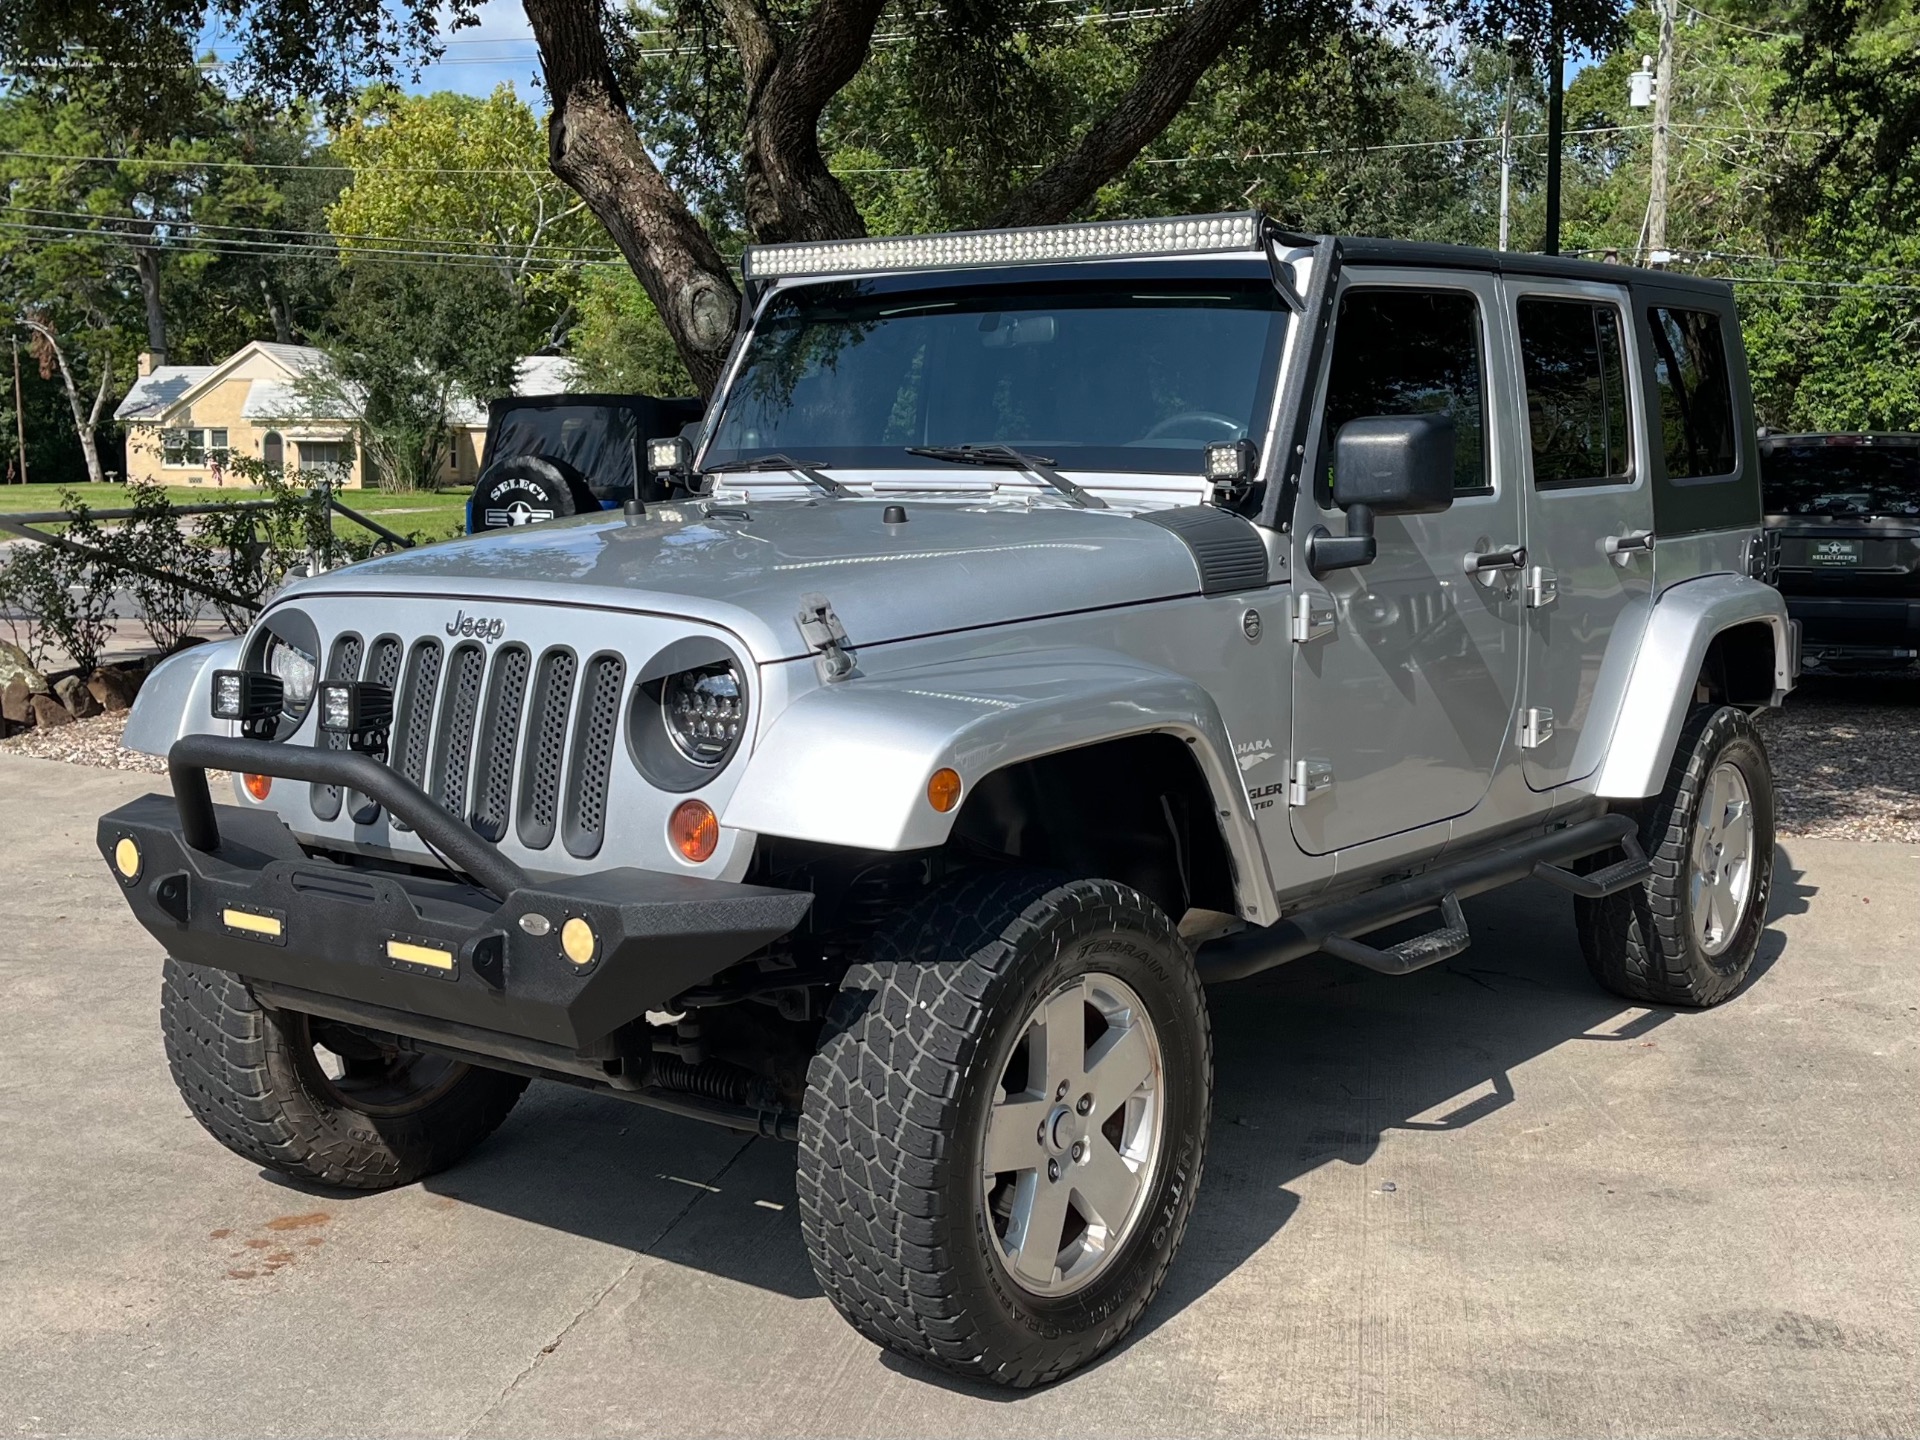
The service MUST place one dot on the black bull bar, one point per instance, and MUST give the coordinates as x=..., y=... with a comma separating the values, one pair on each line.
x=231, y=888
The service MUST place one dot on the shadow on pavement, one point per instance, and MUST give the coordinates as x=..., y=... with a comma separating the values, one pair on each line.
x=1315, y=1062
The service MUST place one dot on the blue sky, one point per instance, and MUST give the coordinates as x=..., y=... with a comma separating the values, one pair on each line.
x=500, y=49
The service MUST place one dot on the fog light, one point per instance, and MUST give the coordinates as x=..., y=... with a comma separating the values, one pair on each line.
x=252, y=698
x=360, y=710
x=694, y=830
x=258, y=786
x=943, y=790
x=578, y=942
x=126, y=858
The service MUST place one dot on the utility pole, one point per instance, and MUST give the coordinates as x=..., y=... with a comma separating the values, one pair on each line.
x=1514, y=42
x=1556, y=130
x=1657, y=253
x=19, y=410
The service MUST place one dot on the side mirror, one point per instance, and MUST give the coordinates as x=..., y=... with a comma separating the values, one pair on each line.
x=1383, y=465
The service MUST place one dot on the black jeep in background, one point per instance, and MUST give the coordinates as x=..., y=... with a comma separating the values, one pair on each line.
x=553, y=455
x=1845, y=509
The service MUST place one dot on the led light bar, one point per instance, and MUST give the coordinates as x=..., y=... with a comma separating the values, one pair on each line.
x=1099, y=240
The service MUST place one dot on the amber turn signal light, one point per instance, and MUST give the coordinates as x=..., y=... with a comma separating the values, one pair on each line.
x=943, y=790
x=258, y=786
x=694, y=830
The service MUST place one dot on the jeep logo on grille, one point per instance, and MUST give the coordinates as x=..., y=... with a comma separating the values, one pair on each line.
x=476, y=627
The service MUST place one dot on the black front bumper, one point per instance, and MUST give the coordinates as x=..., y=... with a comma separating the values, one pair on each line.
x=231, y=888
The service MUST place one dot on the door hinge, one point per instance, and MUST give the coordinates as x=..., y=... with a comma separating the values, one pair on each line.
x=1543, y=588
x=1536, y=727
x=834, y=658
x=1308, y=777
x=1312, y=618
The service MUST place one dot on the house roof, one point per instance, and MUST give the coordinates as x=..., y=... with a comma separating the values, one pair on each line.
x=172, y=386
x=160, y=391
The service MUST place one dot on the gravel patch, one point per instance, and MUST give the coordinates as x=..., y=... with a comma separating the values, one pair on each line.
x=1846, y=757
x=85, y=742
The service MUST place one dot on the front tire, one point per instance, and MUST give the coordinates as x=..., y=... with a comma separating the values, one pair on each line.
x=1689, y=934
x=369, y=1119
x=1005, y=1125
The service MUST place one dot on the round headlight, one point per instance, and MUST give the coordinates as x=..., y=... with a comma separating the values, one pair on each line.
x=704, y=711
x=297, y=671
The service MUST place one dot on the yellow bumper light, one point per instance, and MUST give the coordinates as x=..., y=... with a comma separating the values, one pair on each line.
x=408, y=953
x=126, y=858
x=252, y=924
x=578, y=942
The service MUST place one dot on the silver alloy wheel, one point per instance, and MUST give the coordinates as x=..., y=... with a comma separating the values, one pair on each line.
x=1722, y=878
x=1073, y=1139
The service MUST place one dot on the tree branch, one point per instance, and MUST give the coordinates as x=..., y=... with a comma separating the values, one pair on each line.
x=790, y=193
x=594, y=147
x=1167, y=75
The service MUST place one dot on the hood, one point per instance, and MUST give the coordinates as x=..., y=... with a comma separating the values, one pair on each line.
x=950, y=566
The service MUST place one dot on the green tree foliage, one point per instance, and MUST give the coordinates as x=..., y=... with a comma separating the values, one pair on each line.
x=458, y=173
x=619, y=341
x=409, y=344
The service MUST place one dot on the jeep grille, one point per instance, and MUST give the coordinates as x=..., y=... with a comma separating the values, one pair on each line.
x=488, y=734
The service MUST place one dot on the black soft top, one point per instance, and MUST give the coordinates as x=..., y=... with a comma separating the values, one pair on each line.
x=1369, y=250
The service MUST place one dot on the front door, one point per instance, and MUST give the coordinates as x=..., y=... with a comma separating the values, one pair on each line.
x=1589, y=572
x=1407, y=671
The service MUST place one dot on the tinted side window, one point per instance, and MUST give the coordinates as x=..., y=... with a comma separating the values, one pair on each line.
x=1576, y=391
x=1696, y=393
x=1410, y=352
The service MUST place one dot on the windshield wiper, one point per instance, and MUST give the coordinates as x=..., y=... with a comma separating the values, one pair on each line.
x=777, y=461
x=1038, y=466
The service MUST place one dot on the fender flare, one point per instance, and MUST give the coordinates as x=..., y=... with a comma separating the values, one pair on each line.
x=848, y=764
x=1659, y=691
x=175, y=699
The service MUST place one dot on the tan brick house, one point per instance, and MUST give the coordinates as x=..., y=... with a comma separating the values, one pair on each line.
x=185, y=422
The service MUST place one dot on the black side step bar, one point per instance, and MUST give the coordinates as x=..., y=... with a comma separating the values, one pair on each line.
x=1332, y=927
x=1409, y=955
x=1616, y=877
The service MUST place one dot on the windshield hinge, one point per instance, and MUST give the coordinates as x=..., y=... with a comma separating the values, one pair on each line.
x=834, y=658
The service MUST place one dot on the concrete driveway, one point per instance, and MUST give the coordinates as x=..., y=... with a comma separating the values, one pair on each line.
x=1482, y=1200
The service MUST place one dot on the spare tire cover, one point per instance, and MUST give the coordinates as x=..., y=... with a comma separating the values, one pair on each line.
x=524, y=490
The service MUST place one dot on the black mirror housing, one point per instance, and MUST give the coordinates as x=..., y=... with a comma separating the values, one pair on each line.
x=1383, y=465
x=1394, y=464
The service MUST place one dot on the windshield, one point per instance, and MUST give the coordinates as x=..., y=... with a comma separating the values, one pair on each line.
x=1841, y=479
x=1090, y=375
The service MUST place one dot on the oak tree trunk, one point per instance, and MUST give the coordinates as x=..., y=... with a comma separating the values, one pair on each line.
x=594, y=147
x=146, y=262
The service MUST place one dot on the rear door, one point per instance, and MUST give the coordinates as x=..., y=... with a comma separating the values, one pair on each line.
x=1408, y=669
x=1588, y=580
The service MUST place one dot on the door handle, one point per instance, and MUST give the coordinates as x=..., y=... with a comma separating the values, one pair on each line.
x=1479, y=562
x=1634, y=540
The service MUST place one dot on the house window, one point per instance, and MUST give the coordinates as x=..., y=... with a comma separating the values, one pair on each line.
x=193, y=447
x=322, y=452
x=273, y=450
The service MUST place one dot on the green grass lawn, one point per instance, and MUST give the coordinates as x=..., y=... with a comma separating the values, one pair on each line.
x=430, y=514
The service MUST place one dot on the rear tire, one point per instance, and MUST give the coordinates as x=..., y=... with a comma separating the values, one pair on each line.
x=936, y=1060
x=253, y=1079
x=1688, y=935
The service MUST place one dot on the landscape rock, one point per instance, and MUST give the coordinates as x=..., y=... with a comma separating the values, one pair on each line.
x=114, y=687
x=72, y=692
x=16, y=702
x=14, y=665
x=48, y=712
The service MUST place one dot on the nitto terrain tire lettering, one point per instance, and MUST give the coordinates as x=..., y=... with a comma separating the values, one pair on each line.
x=240, y=1069
x=1642, y=943
x=891, y=1201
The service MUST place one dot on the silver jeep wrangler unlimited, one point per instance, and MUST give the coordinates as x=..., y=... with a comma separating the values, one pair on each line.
x=1060, y=620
